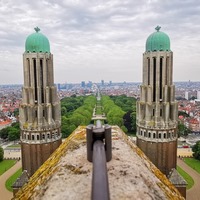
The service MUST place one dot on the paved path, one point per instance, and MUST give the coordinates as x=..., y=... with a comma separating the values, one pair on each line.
x=4, y=193
x=194, y=192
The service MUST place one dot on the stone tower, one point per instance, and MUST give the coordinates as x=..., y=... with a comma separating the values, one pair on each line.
x=40, y=119
x=157, y=110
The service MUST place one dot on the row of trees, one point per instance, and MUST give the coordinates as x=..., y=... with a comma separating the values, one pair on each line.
x=128, y=105
x=81, y=116
x=120, y=110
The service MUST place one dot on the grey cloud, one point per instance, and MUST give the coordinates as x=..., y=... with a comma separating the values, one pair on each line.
x=107, y=35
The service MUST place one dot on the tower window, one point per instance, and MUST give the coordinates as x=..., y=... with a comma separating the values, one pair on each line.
x=47, y=72
x=148, y=71
x=167, y=67
x=149, y=134
x=38, y=137
x=159, y=135
x=161, y=112
x=41, y=80
x=161, y=65
x=35, y=80
x=29, y=70
x=154, y=135
x=33, y=138
x=154, y=79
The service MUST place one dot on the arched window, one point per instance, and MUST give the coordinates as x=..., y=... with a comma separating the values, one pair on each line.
x=159, y=135
x=38, y=137
x=149, y=134
x=154, y=135
x=33, y=137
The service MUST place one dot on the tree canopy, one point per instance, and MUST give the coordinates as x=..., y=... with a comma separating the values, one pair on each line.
x=128, y=106
x=1, y=154
x=121, y=111
x=182, y=129
x=196, y=150
x=76, y=111
x=11, y=132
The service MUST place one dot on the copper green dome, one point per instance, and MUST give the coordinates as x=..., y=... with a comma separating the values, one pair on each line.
x=37, y=43
x=158, y=41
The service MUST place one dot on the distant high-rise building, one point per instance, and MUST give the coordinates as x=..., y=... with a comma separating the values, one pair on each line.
x=40, y=118
x=157, y=110
x=89, y=84
x=83, y=84
x=59, y=88
x=102, y=82
x=186, y=95
x=198, y=95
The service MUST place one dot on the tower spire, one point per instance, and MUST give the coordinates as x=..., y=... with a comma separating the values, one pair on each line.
x=157, y=108
x=40, y=120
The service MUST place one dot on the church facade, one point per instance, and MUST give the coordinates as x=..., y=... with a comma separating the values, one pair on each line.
x=40, y=118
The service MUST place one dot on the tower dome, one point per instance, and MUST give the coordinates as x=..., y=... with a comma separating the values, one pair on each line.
x=158, y=41
x=37, y=43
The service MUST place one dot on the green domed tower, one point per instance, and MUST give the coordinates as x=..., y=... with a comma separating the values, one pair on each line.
x=40, y=119
x=157, y=110
x=158, y=41
x=37, y=43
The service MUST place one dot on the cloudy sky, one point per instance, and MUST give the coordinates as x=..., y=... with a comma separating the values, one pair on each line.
x=93, y=40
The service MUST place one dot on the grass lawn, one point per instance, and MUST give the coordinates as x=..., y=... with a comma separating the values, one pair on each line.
x=5, y=165
x=12, y=179
x=14, y=146
x=193, y=163
x=186, y=176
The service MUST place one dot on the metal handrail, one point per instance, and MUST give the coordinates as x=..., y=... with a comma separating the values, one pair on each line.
x=100, y=187
x=99, y=152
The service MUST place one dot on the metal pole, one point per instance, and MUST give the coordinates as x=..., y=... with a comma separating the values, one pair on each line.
x=100, y=187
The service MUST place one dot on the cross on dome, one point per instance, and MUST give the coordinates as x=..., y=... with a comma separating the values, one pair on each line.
x=158, y=28
x=37, y=29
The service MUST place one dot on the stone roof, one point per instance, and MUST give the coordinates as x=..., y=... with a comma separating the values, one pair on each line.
x=68, y=175
x=23, y=179
x=176, y=178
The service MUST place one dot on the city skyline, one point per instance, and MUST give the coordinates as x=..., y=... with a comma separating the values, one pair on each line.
x=101, y=40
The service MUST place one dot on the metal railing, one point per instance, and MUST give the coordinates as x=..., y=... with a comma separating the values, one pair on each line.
x=98, y=152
